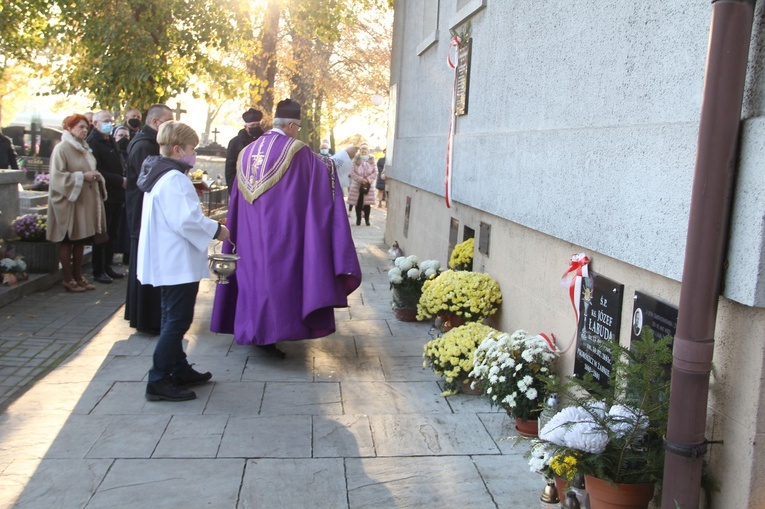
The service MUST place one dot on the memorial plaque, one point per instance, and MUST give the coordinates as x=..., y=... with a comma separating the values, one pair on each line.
x=463, y=78
x=407, y=211
x=454, y=230
x=35, y=164
x=648, y=311
x=600, y=308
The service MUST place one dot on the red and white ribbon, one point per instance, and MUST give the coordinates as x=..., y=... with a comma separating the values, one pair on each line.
x=578, y=268
x=550, y=340
x=451, y=59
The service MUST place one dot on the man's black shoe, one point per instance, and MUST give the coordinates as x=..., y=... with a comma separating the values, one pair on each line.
x=113, y=273
x=272, y=351
x=102, y=278
x=188, y=377
x=164, y=390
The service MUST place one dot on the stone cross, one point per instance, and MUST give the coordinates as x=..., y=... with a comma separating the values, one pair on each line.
x=215, y=135
x=178, y=111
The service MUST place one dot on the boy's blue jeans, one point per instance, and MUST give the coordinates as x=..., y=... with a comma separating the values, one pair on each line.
x=177, y=314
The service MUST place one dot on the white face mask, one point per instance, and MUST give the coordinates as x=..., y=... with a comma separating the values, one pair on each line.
x=364, y=158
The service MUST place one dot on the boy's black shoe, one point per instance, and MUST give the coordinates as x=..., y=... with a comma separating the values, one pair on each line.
x=164, y=390
x=188, y=377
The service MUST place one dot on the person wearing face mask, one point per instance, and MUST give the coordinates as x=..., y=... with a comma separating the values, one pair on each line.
x=121, y=135
x=247, y=135
x=363, y=175
x=111, y=165
x=172, y=223
x=143, y=301
x=133, y=121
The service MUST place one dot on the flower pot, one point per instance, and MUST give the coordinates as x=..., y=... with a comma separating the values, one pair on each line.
x=527, y=428
x=465, y=388
x=604, y=495
x=405, y=314
x=405, y=298
x=40, y=257
x=449, y=322
x=560, y=485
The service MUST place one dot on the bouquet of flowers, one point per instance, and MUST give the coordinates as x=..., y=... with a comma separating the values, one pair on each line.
x=613, y=433
x=197, y=175
x=511, y=370
x=30, y=227
x=470, y=295
x=407, y=278
x=12, y=269
x=451, y=355
x=462, y=255
x=42, y=181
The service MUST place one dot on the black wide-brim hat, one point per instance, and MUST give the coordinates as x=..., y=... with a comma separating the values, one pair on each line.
x=288, y=109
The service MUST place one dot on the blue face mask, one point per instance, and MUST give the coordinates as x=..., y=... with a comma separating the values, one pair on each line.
x=106, y=127
x=364, y=158
x=324, y=151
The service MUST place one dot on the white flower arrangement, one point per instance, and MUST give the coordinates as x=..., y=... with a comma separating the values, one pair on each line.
x=407, y=277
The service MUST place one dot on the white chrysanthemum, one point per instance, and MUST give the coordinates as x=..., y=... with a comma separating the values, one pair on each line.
x=622, y=420
x=405, y=265
x=528, y=380
x=396, y=280
x=399, y=261
x=430, y=272
x=394, y=273
x=527, y=355
x=522, y=385
x=531, y=393
x=413, y=273
x=412, y=259
x=502, y=379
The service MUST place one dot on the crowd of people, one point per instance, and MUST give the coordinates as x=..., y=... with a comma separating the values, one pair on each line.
x=122, y=188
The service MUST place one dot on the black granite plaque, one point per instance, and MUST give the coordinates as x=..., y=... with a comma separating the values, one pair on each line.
x=407, y=211
x=600, y=308
x=484, y=239
x=648, y=311
x=463, y=78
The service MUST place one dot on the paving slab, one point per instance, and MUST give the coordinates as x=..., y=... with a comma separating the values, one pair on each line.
x=315, y=483
x=342, y=436
x=430, y=435
x=284, y=436
x=445, y=481
x=169, y=484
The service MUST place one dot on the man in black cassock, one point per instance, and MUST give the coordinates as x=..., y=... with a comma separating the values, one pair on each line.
x=247, y=135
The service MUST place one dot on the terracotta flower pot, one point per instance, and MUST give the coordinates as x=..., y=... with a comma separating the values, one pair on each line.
x=465, y=388
x=604, y=495
x=527, y=428
x=451, y=321
x=405, y=314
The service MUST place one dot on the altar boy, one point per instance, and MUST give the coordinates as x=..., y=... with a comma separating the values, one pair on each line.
x=172, y=255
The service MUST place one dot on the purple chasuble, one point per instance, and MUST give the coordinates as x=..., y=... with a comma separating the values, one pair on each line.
x=298, y=262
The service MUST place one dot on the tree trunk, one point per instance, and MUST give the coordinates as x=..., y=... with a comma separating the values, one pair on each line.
x=263, y=65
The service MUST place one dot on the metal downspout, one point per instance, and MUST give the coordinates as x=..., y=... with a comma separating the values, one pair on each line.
x=728, y=51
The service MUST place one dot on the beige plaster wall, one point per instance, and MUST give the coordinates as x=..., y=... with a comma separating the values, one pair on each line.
x=528, y=266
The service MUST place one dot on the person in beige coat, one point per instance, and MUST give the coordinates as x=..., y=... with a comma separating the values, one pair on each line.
x=76, y=194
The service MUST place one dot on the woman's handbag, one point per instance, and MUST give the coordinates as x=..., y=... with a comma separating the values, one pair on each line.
x=364, y=188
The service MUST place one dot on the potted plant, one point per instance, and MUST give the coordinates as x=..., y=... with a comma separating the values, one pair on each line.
x=511, y=369
x=406, y=281
x=457, y=297
x=615, y=432
x=451, y=356
x=462, y=255
x=12, y=270
x=39, y=254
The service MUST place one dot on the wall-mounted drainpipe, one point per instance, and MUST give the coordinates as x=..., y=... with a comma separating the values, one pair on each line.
x=728, y=52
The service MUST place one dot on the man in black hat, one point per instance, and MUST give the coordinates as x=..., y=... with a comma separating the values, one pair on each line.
x=250, y=133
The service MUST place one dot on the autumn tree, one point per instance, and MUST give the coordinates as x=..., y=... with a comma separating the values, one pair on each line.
x=142, y=52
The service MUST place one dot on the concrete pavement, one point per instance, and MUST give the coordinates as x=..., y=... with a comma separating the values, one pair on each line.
x=348, y=421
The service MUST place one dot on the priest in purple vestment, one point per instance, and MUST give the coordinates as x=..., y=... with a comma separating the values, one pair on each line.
x=288, y=223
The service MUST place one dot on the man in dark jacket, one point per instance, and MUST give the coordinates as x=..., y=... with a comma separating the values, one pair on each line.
x=143, y=302
x=250, y=133
x=8, y=153
x=110, y=164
